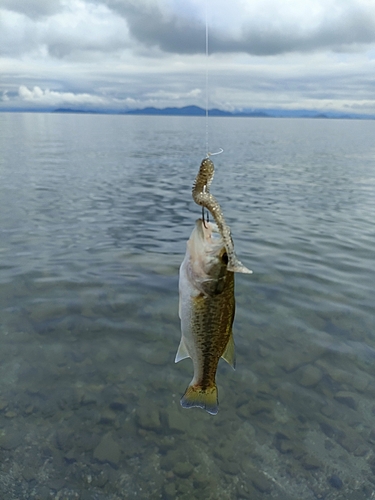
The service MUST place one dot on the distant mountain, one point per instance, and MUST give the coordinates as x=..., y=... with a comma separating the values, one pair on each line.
x=191, y=111
x=71, y=110
x=197, y=111
x=185, y=111
x=261, y=113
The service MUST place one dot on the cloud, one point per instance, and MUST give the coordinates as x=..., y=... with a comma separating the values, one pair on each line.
x=135, y=53
x=17, y=34
x=78, y=28
x=33, y=8
x=76, y=31
x=267, y=27
x=87, y=28
x=155, y=26
x=174, y=96
x=52, y=98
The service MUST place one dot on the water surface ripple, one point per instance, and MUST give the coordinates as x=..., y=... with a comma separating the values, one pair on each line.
x=95, y=212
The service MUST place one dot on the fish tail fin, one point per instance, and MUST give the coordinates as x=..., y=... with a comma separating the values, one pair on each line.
x=197, y=396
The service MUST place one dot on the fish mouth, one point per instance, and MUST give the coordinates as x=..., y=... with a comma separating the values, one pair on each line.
x=209, y=234
x=206, y=230
x=201, y=226
x=207, y=243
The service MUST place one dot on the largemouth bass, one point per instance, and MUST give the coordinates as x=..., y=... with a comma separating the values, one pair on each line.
x=206, y=311
x=207, y=302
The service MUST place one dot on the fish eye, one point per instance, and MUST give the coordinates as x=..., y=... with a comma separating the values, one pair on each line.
x=224, y=258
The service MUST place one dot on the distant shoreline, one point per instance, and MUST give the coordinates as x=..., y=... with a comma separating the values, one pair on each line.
x=197, y=111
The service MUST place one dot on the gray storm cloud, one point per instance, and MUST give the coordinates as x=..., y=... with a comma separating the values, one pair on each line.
x=39, y=27
x=340, y=30
x=115, y=53
x=33, y=8
x=155, y=24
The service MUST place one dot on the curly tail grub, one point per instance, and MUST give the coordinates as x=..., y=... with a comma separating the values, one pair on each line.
x=203, y=197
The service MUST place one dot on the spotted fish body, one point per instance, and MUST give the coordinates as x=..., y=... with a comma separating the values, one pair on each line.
x=206, y=311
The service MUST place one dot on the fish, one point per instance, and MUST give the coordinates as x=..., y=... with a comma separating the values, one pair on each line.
x=202, y=196
x=206, y=297
x=206, y=310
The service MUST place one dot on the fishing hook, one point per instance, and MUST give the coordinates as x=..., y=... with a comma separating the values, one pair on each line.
x=207, y=217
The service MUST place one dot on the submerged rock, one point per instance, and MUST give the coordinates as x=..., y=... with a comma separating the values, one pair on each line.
x=183, y=469
x=290, y=362
x=335, y=481
x=168, y=461
x=148, y=418
x=29, y=473
x=10, y=441
x=309, y=376
x=310, y=463
x=347, y=398
x=170, y=491
x=10, y=414
x=350, y=442
x=107, y=416
x=230, y=467
x=177, y=421
x=118, y=404
x=260, y=481
x=64, y=439
x=371, y=437
x=107, y=450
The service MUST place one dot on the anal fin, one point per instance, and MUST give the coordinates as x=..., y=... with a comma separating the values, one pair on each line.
x=182, y=352
x=230, y=354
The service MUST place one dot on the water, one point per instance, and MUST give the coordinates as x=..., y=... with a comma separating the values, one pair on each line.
x=95, y=212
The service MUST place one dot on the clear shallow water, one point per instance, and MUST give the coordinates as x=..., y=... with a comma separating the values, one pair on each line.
x=95, y=212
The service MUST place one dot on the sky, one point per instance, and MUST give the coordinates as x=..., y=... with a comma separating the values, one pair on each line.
x=126, y=54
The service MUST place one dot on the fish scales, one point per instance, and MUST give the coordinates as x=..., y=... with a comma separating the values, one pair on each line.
x=207, y=304
x=206, y=310
x=212, y=323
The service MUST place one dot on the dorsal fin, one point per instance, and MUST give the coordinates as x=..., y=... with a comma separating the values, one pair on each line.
x=229, y=354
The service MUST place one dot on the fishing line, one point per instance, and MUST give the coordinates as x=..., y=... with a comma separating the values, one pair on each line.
x=221, y=150
x=207, y=92
x=207, y=78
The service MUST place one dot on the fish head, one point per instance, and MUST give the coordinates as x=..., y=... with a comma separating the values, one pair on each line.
x=207, y=258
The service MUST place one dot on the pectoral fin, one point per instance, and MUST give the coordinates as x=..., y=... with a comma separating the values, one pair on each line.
x=229, y=354
x=182, y=352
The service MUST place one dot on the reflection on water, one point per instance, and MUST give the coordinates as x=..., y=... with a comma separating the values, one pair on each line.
x=95, y=212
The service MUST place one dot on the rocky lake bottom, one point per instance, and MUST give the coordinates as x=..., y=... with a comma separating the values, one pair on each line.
x=79, y=422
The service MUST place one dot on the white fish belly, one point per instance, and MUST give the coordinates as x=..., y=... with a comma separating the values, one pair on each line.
x=187, y=292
